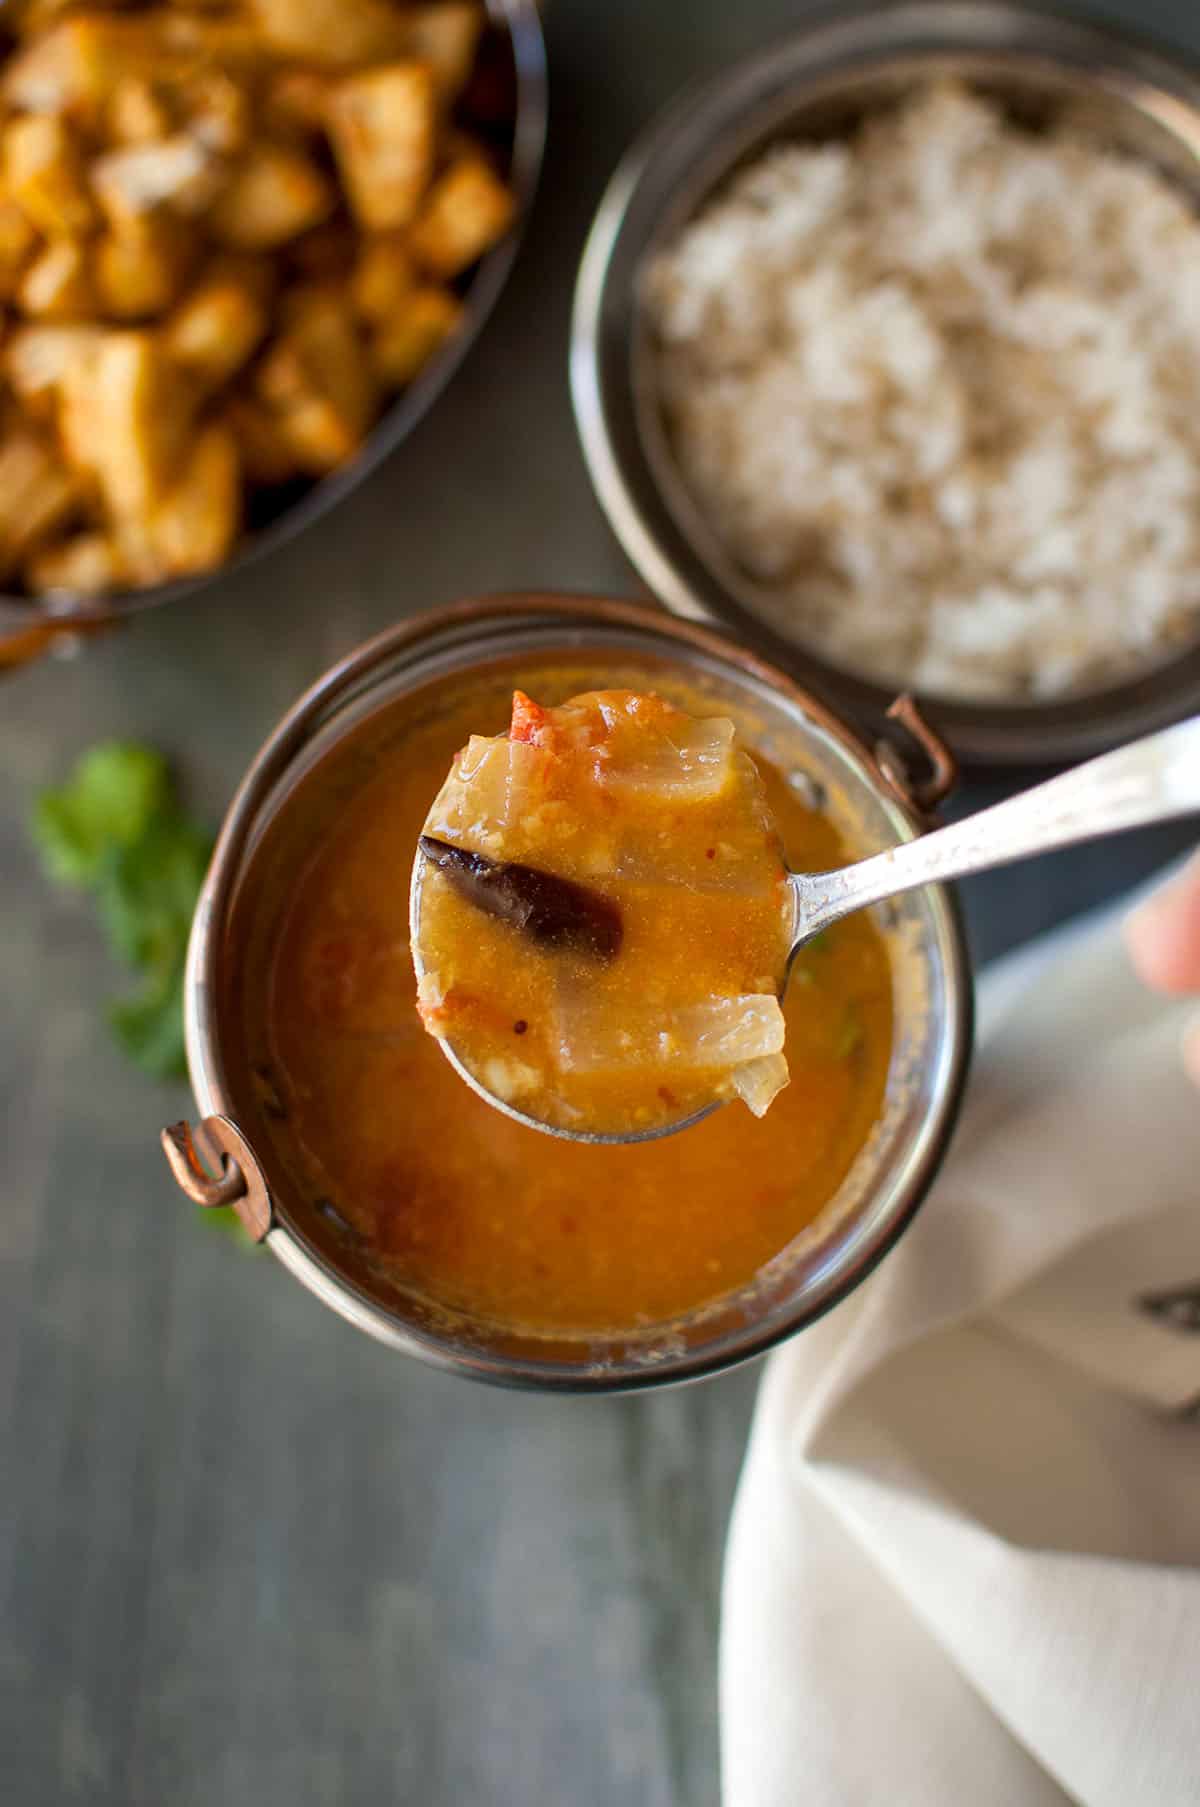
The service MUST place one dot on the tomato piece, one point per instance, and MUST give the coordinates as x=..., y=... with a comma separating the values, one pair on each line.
x=528, y=720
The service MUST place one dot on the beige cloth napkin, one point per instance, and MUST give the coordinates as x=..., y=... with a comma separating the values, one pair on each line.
x=964, y=1564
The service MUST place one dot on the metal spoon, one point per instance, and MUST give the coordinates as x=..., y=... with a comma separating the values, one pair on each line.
x=1152, y=780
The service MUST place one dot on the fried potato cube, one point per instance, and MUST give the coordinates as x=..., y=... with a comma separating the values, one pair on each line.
x=86, y=564
x=202, y=102
x=179, y=172
x=294, y=101
x=36, y=358
x=403, y=344
x=74, y=67
x=384, y=277
x=446, y=37
x=267, y=453
x=43, y=175
x=383, y=125
x=124, y=417
x=17, y=241
x=467, y=210
x=217, y=327
x=139, y=112
x=275, y=193
x=57, y=285
x=196, y=523
x=37, y=493
x=336, y=33
x=139, y=268
x=217, y=110
x=316, y=436
x=317, y=380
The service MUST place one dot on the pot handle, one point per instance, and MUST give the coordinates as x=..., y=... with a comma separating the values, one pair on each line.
x=216, y=1147
x=924, y=792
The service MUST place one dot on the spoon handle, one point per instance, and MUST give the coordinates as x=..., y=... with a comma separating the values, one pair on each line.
x=1151, y=780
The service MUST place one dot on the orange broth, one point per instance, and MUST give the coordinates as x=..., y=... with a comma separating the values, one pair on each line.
x=474, y=1212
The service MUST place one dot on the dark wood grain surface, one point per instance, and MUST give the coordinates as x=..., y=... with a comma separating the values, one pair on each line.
x=247, y=1558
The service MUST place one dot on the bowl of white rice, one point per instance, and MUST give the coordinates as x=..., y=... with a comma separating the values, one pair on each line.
x=886, y=353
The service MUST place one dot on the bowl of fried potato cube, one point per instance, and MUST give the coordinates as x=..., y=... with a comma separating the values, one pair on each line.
x=242, y=248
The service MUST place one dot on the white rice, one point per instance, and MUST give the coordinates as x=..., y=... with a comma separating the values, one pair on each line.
x=937, y=393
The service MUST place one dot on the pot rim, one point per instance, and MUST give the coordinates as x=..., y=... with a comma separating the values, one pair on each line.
x=351, y=675
x=844, y=44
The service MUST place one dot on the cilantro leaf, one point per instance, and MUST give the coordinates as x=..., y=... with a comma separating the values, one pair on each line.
x=113, y=794
x=148, y=1024
x=146, y=892
x=116, y=829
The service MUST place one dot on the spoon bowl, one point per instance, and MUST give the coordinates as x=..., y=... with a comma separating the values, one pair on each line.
x=1152, y=780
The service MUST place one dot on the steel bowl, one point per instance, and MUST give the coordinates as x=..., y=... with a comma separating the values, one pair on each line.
x=818, y=84
x=237, y=1154
x=29, y=626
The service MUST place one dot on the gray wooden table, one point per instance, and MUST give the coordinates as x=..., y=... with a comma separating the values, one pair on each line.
x=247, y=1558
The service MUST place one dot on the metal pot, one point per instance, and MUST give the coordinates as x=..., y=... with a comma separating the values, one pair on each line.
x=818, y=84
x=31, y=626
x=229, y=1157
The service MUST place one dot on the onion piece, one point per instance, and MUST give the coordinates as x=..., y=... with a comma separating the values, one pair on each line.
x=642, y=743
x=759, y=1082
x=722, y=1034
x=678, y=758
x=507, y=1078
x=491, y=786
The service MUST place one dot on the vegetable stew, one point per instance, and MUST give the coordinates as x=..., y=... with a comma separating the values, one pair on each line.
x=364, y=1125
